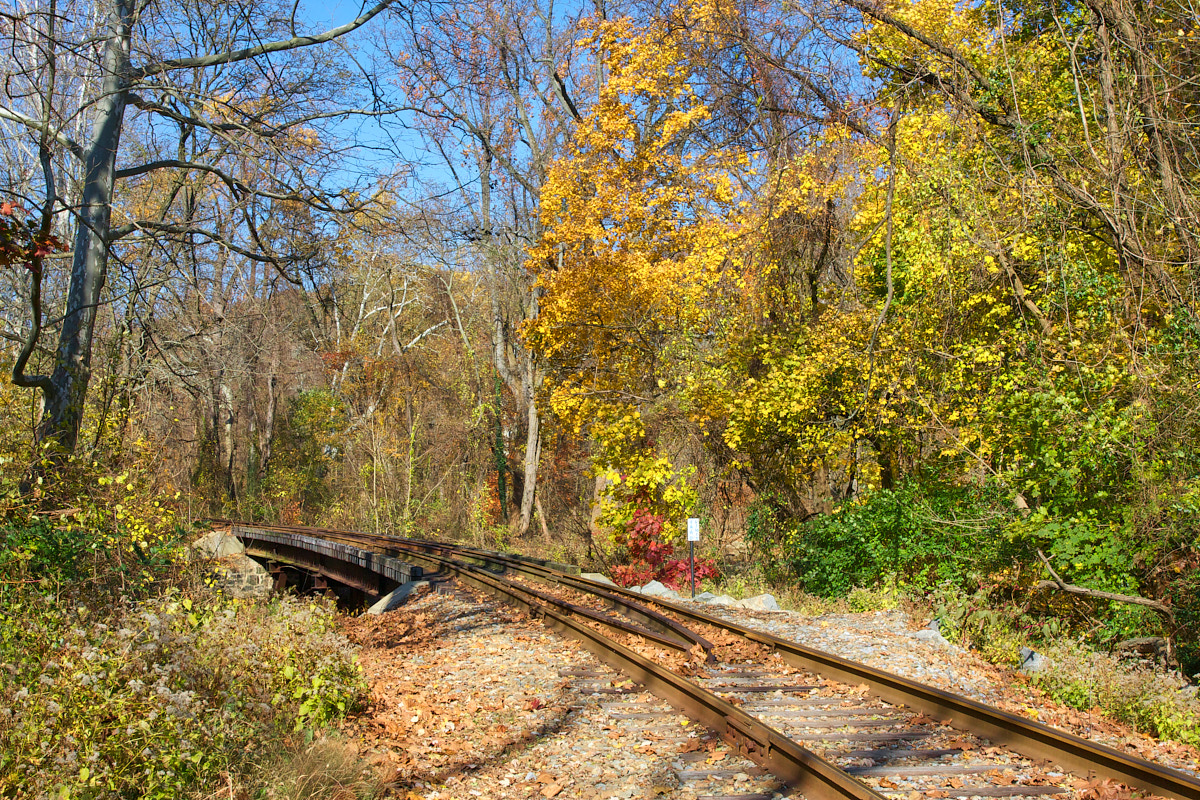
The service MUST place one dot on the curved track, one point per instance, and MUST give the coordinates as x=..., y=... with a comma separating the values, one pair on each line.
x=786, y=698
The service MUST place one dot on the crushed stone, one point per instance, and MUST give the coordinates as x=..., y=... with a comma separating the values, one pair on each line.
x=470, y=699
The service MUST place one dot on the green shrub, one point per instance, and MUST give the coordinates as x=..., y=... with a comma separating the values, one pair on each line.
x=913, y=538
x=122, y=676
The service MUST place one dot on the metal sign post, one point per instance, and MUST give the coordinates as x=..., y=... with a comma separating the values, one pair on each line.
x=693, y=531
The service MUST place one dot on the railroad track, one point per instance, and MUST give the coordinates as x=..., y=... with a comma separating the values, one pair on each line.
x=813, y=722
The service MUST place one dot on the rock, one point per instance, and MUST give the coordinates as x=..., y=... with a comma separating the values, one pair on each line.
x=241, y=576
x=218, y=545
x=596, y=576
x=762, y=602
x=704, y=597
x=933, y=636
x=1032, y=661
x=396, y=597
x=655, y=589
x=637, y=589
x=723, y=600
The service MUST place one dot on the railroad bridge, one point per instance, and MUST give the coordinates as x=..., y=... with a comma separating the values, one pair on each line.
x=308, y=558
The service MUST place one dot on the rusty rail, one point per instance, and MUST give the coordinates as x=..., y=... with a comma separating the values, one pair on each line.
x=797, y=766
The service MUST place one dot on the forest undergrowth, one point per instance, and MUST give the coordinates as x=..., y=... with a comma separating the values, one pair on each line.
x=127, y=674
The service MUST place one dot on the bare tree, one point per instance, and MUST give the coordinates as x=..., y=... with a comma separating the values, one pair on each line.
x=490, y=88
x=206, y=87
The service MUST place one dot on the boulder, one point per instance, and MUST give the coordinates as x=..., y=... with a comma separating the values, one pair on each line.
x=655, y=589
x=598, y=577
x=762, y=602
x=723, y=600
x=704, y=597
x=1032, y=661
x=218, y=544
x=931, y=636
x=932, y=633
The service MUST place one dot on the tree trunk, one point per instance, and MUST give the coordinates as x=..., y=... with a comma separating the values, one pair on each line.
x=89, y=266
x=227, y=441
x=266, y=434
x=533, y=452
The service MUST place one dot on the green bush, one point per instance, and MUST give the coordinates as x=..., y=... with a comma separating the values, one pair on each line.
x=913, y=538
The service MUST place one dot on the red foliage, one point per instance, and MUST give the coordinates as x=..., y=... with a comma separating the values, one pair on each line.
x=336, y=359
x=649, y=558
x=21, y=241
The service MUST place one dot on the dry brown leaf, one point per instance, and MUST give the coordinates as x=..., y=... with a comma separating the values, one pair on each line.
x=885, y=783
x=551, y=790
x=1105, y=789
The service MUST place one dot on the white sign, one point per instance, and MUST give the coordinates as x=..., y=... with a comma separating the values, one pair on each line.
x=693, y=529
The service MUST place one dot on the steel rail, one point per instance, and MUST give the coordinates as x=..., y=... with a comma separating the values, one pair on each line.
x=541, y=571
x=759, y=741
x=1032, y=739
x=791, y=763
x=354, y=541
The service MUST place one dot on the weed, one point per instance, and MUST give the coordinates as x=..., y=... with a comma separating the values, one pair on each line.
x=1156, y=703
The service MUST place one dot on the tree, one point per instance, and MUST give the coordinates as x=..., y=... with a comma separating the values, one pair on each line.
x=490, y=88
x=153, y=60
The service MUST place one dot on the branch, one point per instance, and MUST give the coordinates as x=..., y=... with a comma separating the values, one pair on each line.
x=41, y=242
x=254, y=124
x=876, y=12
x=29, y=122
x=1058, y=583
x=232, y=56
x=166, y=227
x=423, y=334
x=226, y=178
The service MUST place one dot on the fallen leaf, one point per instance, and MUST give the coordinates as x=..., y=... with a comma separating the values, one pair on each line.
x=885, y=783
